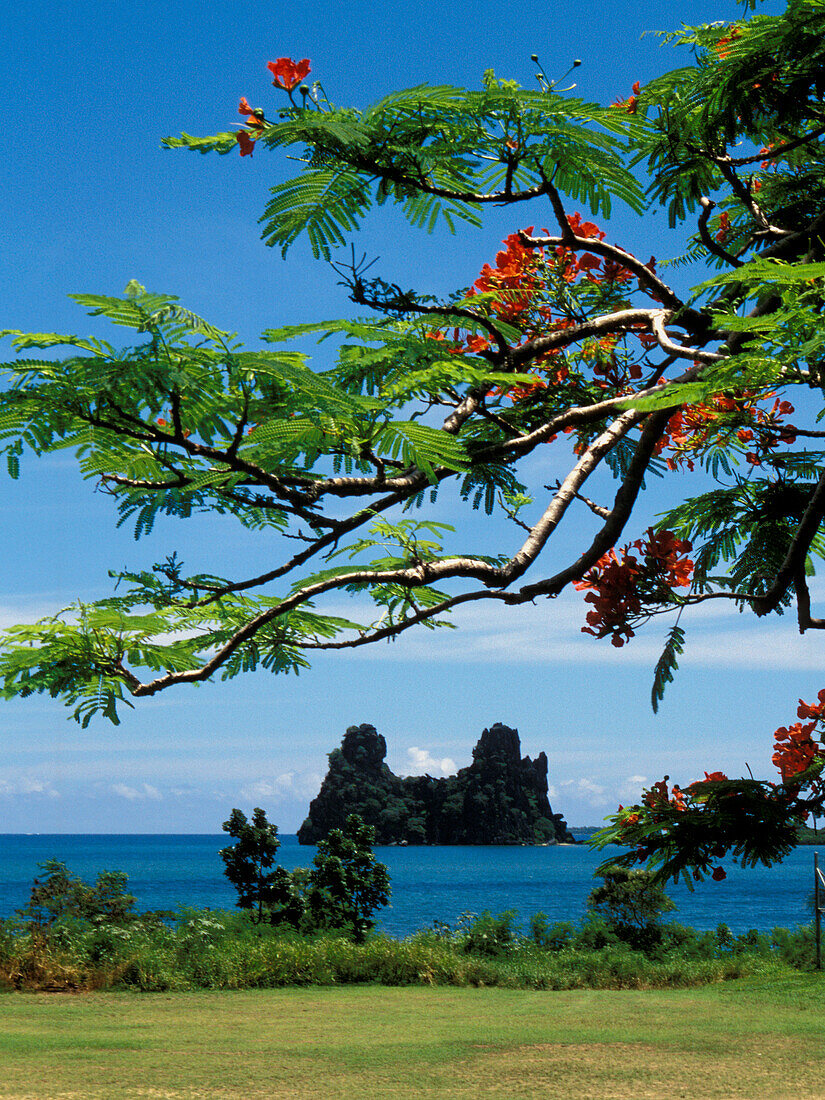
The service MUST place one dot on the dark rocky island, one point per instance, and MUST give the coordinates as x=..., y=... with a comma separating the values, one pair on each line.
x=501, y=798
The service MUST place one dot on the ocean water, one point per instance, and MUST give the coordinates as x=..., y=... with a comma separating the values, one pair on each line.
x=166, y=872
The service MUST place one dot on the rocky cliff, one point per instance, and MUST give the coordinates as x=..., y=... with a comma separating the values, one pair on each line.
x=501, y=798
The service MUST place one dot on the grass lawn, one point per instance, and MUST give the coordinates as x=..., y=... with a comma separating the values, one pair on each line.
x=748, y=1038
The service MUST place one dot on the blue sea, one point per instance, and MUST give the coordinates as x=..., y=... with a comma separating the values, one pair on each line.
x=166, y=872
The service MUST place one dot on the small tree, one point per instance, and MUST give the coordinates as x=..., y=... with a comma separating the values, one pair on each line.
x=347, y=884
x=248, y=863
x=631, y=901
x=57, y=894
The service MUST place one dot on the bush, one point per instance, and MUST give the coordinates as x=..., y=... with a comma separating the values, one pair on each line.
x=796, y=947
x=59, y=895
x=631, y=903
x=249, y=863
x=73, y=936
x=552, y=937
x=489, y=935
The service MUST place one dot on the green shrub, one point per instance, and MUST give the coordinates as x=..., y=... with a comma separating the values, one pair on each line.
x=552, y=937
x=59, y=895
x=631, y=902
x=206, y=949
x=796, y=947
x=489, y=935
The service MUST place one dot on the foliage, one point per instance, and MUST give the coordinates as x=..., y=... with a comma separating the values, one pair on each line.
x=87, y=941
x=347, y=884
x=205, y=949
x=681, y=832
x=341, y=891
x=249, y=864
x=490, y=935
x=58, y=895
x=566, y=340
x=632, y=902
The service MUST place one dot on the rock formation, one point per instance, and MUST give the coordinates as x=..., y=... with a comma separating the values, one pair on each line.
x=501, y=798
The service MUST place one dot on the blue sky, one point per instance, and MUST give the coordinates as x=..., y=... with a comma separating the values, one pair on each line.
x=89, y=200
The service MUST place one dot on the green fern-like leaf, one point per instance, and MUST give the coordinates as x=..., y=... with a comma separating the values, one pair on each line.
x=421, y=446
x=325, y=205
x=666, y=666
x=218, y=143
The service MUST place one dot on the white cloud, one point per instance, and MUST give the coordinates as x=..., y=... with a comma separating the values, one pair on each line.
x=26, y=610
x=422, y=762
x=587, y=791
x=26, y=786
x=287, y=785
x=133, y=794
x=631, y=789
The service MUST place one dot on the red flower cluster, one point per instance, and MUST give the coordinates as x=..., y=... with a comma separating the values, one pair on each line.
x=523, y=286
x=288, y=73
x=713, y=423
x=519, y=276
x=616, y=600
x=623, y=584
x=631, y=104
x=658, y=797
x=723, y=232
x=722, y=45
x=514, y=280
x=768, y=430
x=795, y=749
x=806, y=710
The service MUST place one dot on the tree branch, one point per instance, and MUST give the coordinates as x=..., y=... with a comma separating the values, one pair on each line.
x=794, y=563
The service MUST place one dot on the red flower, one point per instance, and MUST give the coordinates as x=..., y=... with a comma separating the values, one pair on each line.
x=624, y=586
x=288, y=73
x=718, y=874
x=583, y=229
x=795, y=749
x=588, y=263
x=724, y=228
x=246, y=143
x=630, y=105
x=615, y=273
x=722, y=46
x=254, y=116
x=808, y=711
x=715, y=777
x=678, y=799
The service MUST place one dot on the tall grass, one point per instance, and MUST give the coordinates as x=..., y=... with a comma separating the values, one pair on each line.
x=226, y=950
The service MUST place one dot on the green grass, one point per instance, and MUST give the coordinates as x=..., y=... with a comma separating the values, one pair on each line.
x=753, y=1038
